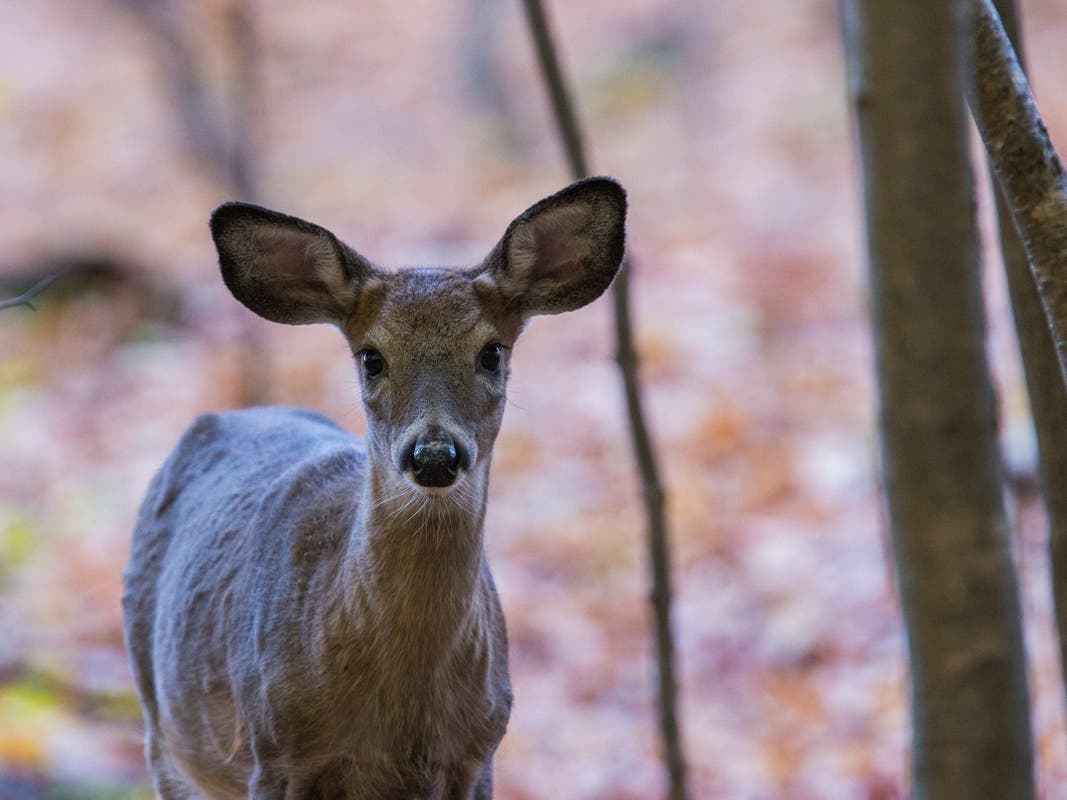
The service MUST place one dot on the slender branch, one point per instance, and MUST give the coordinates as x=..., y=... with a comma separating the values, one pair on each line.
x=241, y=24
x=659, y=556
x=566, y=120
x=221, y=138
x=201, y=124
x=26, y=297
x=1030, y=173
x=1046, y=389
x=254, y=377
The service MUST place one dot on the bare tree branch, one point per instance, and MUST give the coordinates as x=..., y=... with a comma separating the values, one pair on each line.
x=566, y=120
x=256, y=366
x=1045, y=386
x=27, y=296
x=1027, y=166
x=243, y=41
x=221, y=140
x=626, y=355
x=200, y=121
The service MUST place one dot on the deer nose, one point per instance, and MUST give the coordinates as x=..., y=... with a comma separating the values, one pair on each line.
x=435, y=458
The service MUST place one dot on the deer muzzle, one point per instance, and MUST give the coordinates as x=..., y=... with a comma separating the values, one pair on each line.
x=435, y=459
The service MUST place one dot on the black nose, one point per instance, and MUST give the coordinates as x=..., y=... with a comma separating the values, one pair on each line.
x=435, y=458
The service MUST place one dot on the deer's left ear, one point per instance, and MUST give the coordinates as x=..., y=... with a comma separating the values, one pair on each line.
x=563, y=252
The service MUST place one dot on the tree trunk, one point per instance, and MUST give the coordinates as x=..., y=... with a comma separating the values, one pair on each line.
x=254, y=375
x=969, y=699
x=570, y=134
x=1027, y=166
x=221, y=139
x=1044, y=380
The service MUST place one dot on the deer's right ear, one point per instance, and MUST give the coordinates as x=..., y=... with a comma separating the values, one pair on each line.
x=285, y=269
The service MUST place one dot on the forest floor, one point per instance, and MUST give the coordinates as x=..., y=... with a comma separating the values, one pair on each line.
x=416, y=131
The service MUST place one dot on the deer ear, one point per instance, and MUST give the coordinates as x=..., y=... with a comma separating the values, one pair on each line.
x=285, y=269
x=562, y=252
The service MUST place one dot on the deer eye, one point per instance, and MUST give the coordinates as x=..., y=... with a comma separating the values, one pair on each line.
x=373, y=363
x=489, y=360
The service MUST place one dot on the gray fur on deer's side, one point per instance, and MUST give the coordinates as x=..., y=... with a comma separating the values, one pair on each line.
x=305, y=621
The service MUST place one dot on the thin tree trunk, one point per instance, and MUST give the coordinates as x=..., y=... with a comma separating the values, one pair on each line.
x=969, y=698
x=244, y=53
x=254, y=375
x=1031, y=179
x=1027, y=166
x=221, y=142
x=658, y=542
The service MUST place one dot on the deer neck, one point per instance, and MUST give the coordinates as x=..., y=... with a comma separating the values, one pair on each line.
x=417, y=565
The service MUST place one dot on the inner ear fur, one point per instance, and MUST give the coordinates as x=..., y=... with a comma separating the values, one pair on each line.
x=562, y=252
x=284, y=268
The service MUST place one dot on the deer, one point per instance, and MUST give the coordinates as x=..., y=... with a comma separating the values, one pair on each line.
x=309, y=614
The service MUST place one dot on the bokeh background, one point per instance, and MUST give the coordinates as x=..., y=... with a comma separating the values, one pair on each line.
x=416, y=131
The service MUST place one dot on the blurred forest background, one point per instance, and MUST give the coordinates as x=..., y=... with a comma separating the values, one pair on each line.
x=416, y=131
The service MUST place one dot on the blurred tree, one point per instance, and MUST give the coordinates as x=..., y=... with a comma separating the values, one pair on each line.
x=626, y=354
x=221, y=141
x=942, y=469
x=26, y=298
x=1032, y=183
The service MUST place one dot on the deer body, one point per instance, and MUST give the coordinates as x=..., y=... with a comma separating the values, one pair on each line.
x=310, y=615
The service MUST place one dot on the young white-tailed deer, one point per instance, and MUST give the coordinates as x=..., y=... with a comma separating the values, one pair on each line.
x=310, y=615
